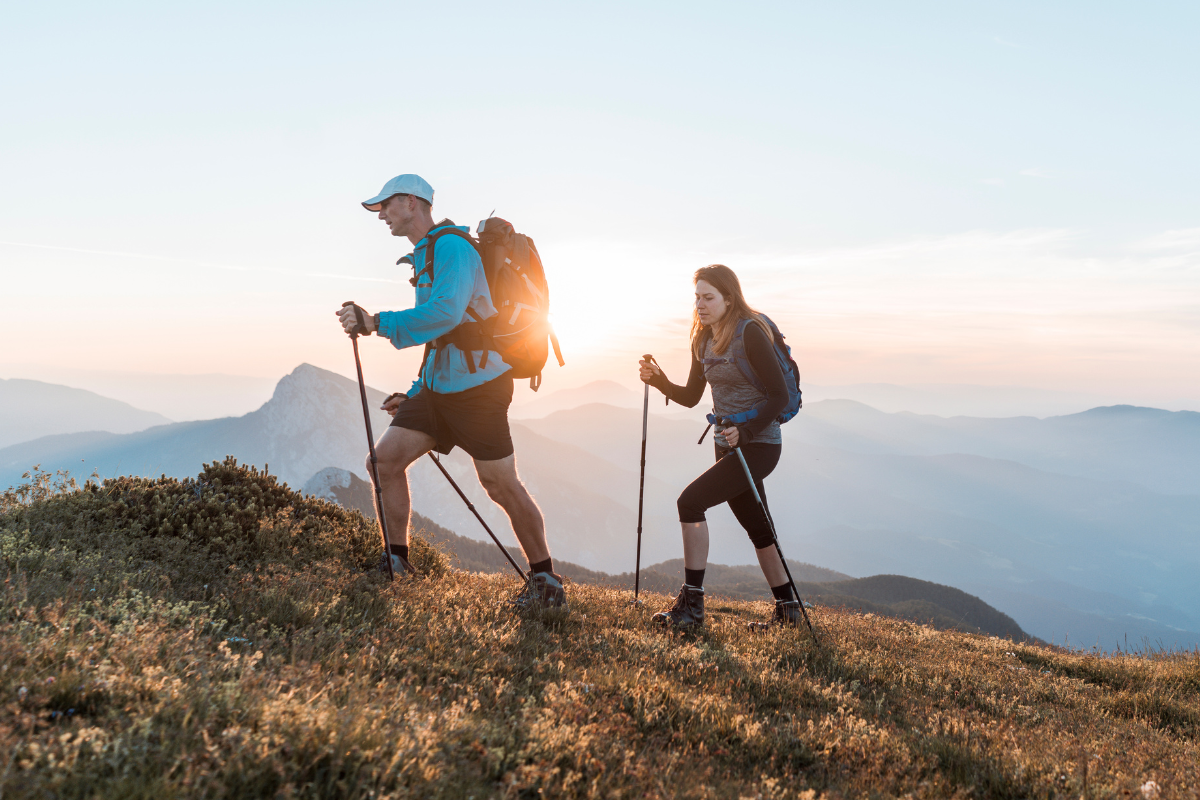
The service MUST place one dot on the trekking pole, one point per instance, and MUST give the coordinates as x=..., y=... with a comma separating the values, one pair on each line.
x=471, y=506
x=774, y=535
x=637, y=572
x=362, y=390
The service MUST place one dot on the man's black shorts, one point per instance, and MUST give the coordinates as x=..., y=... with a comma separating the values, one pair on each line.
x=475, y=419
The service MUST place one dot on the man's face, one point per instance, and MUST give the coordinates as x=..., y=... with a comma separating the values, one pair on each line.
x=398, y=212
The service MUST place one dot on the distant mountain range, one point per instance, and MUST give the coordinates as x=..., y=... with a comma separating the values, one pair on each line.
x=940, y=399
x=864, y=493
x=32, y=409
x=890, y=595
x=180, y=397
x=956, y=399
x=1085, y=526
x=1157, y=449
x=607, y=392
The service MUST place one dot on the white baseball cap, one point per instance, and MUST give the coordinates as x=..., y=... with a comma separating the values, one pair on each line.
x=401, y=184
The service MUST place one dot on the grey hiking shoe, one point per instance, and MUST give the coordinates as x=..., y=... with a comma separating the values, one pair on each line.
x=787, y=614
x=400, y=566
x=688, y=610
x=543, y=590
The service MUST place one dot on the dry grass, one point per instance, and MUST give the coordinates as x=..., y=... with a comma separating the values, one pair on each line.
x=242, y=652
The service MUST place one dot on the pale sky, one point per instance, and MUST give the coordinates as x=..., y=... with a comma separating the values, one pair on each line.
x=917, y=193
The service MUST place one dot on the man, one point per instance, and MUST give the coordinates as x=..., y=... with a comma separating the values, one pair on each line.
x=453, y=402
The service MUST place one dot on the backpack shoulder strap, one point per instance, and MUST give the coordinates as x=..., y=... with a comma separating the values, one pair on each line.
x=431, y=239
x=705, y=338
x=738, y=345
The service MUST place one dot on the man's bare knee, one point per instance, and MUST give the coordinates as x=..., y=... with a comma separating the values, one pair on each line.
x=387, y=467
x=500, y=481
x=397, y=449
x=497, y=488
x=388, y=463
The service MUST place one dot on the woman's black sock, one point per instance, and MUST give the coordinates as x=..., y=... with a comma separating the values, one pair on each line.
x=399, y=550
x=783, y=593
x=543, y=566
x=693, y=577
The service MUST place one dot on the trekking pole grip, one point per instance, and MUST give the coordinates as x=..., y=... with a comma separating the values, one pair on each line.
x=724, y=423
x=650, y=358
x=360, y=322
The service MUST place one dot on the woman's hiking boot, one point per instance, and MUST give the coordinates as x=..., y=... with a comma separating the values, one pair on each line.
x=787, y=614
x=687, y=612
x=400, y=566
x=542, y=590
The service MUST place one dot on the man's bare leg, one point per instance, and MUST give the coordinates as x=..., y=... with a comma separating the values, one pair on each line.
x=398, y=448
x=499, y=478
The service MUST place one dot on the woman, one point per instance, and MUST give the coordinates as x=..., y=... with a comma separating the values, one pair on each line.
x=719, y=309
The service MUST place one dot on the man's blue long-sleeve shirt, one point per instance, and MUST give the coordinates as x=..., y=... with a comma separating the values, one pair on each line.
x=458, y=284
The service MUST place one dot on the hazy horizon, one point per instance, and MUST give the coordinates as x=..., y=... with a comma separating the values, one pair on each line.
x=183, y=398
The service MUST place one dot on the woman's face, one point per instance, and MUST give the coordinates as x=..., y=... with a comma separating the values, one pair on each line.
x=711, y=305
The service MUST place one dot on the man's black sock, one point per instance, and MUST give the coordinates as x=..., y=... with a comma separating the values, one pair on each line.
x=783, y=593
x=543, y=566
x=693, y=577
x=399, y=550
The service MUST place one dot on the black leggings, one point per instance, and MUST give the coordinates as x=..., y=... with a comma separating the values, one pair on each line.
x=725, y=482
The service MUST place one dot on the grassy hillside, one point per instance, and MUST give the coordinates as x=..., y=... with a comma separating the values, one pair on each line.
x=217, y=637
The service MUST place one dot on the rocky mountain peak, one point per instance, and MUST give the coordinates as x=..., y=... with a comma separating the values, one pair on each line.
x=305, y=380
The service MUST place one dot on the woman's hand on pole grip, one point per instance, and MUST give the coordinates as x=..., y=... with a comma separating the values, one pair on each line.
x=732, y=435
x=647, y=370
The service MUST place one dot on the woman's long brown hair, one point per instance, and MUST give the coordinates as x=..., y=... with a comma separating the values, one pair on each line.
x=723, y=279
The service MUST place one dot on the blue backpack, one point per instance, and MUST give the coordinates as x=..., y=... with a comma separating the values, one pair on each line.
x=791, y=373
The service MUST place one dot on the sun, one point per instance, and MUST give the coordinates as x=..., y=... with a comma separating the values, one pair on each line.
x=600, y=297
